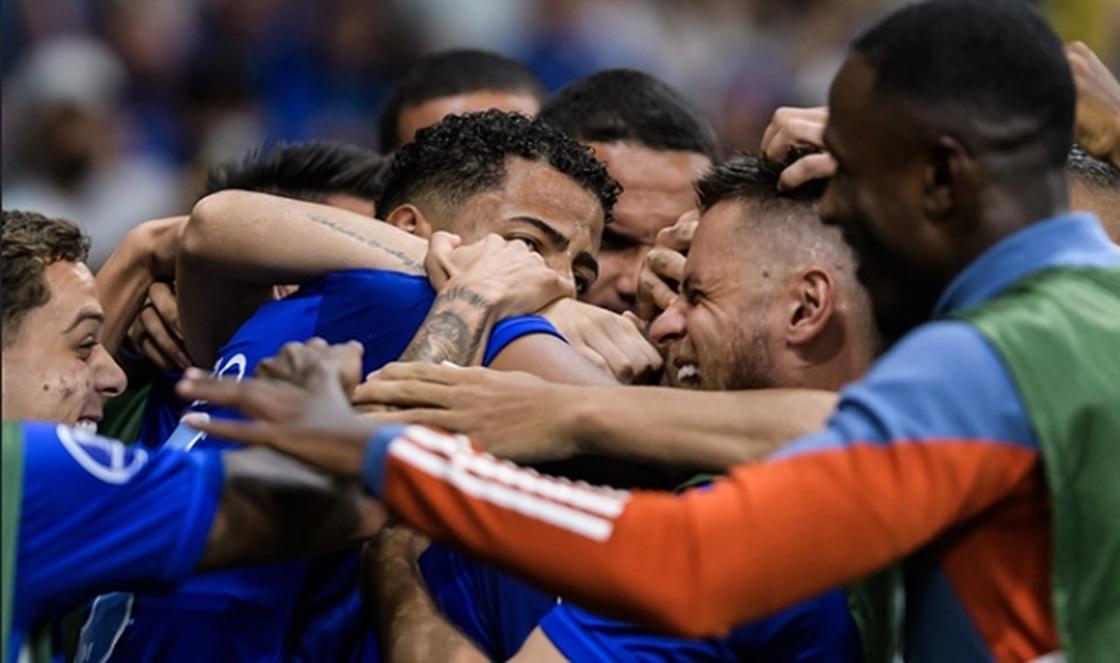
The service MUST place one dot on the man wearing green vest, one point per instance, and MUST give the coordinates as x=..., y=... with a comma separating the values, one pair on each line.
x=84, y=514
x=981, y=452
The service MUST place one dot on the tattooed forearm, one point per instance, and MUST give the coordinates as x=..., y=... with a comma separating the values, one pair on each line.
x=405, y=259
x=454, y=329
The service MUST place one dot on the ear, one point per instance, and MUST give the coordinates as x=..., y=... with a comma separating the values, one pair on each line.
x=410, y=219
x=814, y=299
x=951, y=179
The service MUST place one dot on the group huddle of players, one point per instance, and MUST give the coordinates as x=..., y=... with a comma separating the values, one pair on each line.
x=551, y=380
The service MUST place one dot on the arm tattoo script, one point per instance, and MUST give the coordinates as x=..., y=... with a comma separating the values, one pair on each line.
x=405, y=259
x=446, y=334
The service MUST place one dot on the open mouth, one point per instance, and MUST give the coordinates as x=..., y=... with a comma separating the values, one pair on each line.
x=87, y=425
x=688, y=375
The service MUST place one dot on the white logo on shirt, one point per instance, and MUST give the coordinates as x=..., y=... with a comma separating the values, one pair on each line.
x=108, y=460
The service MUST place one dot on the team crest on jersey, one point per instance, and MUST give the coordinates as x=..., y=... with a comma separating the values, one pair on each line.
x=108, y=460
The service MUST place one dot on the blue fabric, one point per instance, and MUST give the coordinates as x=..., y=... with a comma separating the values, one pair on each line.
x=373, y=463
x=494, y=609
x=818, y=629
x=97, y=515
x=245, y=612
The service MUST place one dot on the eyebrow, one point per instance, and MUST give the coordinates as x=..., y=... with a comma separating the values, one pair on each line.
x=87, y=314
x=553, y=235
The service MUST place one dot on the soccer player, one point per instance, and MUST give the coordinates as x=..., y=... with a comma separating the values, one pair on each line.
x=455, y=82
x=656, y=144
x=364, y=281
x=979, y=451
x=769, y=300
x=84, y=514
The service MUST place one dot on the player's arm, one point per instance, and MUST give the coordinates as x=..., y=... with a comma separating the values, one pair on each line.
x=274, y=508
x=238, y=244
x=515, y=416
x=144, y=256
x=933, y=436
x=409, y=624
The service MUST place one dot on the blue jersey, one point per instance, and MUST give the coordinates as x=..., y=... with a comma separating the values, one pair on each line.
x=498, y=612
x=494, y=609
x=259, y=613
x=97, y=516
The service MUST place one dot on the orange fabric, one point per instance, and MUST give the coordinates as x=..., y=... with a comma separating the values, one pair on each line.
x=999, y=566
x=765, y=537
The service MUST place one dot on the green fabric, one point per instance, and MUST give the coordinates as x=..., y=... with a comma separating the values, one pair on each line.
x=1058, y=332
x=877, y=605
x=11, y=436
x=125, y=414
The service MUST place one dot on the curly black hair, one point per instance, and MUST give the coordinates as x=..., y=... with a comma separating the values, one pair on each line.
x=466, y=154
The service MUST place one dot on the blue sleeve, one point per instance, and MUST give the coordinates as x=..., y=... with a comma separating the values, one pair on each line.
x=818, y=630
x=494, y=609
x=942, y=382
x=509, y=330
x=99, y=516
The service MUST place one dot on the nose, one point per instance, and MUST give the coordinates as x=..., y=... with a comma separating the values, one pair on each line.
x=108, y=378
x=670, y=326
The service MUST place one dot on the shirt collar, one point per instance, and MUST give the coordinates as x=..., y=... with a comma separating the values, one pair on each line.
x=1070, y=239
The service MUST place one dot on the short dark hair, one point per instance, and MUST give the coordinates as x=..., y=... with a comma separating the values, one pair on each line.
x=1083, y=168
x=30, y=242
x=466, y=154
x=625, y=105
x=309, y=171
x=993, y=59
x=753, y=179
x=450, y=73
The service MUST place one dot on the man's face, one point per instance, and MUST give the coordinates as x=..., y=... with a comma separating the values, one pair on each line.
x=876, y=198
x=544, y=208
x=656, y=190
x=55, y=368
x=715, y=335
x=414, y=118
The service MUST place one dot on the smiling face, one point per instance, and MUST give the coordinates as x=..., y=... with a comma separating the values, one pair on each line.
x=876, y=197
x=656, y=190
x=716, y=334
x=55, y=367
x=542, y=207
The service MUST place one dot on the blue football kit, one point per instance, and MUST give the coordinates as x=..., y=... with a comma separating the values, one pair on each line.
x=301, y=610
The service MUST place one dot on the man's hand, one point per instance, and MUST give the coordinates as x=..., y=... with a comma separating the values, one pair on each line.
x=663, y=267
x=793, y=129
x=299, y=401
x=1097, y=128
x=612, y=342
x=509, y=414
x=156, y=331
x=505, y=274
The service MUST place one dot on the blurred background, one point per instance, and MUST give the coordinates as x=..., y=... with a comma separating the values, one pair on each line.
x=114, y=109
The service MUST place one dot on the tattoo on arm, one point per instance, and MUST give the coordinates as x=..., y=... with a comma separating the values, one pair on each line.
x=404, y=258
x=448, y=334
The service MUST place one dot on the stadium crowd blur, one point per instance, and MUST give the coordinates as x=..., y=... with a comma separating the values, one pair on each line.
x=154, y=92
x=572, y=330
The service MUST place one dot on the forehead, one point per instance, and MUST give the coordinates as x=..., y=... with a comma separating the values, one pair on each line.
x=656, y=184
x=725, y=240
x=71, y=292
x=537, y=190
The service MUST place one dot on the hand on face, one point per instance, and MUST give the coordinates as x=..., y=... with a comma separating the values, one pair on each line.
x=1097, y=128
x=611, y=341
x=505, y=274
x=798, y=128
x=299, y=401
x=663, y=267
x=509, y=414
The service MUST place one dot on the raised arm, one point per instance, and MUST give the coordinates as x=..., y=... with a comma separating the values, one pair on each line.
x=528, y=420
x=237, y=245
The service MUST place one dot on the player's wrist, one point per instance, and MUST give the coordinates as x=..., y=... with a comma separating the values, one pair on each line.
x=376, y=457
